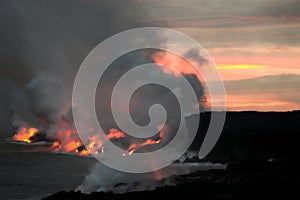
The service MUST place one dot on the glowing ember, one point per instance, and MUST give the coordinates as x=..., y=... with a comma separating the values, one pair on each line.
x=131, y=152
x=149, y=141
x=102, y=150
x=115, y=133
x=25, y=134
x=71, y=146
x=134, y=146
x=84, y=152
x=95, y=145
x=55, y=145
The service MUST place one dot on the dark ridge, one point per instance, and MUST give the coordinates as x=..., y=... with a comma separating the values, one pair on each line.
x=253, y=135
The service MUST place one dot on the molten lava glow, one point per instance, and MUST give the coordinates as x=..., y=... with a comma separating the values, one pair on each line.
x=55, y=145
x=84, y=152
x=74, y=145
x=69, y=141
x=71, y=146
x=95, y=145
x=115, y=133
x=131, y=152
x=149, y=142
x=133, y=147
x=24, y=134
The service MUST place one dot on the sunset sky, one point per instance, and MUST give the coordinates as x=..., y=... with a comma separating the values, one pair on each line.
x=255, y=45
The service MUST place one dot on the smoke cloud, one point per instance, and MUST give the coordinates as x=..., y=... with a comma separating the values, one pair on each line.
x=105, y=179
x=43, y=44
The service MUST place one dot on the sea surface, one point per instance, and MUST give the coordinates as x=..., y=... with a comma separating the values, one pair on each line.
x=27, y=174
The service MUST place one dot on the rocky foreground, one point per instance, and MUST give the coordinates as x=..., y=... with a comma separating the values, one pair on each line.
x=250, y=179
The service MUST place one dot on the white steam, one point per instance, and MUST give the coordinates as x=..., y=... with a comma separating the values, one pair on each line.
x=105, y=179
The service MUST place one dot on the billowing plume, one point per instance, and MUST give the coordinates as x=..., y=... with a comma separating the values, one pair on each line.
x=42, y=46
x=54, y=43
x=104, y=179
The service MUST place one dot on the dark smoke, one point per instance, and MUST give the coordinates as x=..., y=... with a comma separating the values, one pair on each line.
x=194, y=54
x=42, y=45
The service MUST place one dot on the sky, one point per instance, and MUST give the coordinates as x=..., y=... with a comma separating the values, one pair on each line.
x=255, y=45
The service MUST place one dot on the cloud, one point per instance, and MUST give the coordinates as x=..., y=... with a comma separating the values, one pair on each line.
x=188, y=8
x=241, y=66
x=264, y=84
x=278, y=92
x=194, y=55
x=232, y=23
x=224, y=21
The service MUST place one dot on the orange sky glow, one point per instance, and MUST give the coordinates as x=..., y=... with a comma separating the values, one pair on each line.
x=252, y=82
x=248, y=67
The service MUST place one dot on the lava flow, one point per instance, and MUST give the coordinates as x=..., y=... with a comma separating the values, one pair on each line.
x=25, y=134
x=68, y=141
x=133, y=147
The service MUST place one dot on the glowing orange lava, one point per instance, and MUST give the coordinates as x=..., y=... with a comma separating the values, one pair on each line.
x=69, y=141
x=115, y=133
x=24, y=134
x=133, y=147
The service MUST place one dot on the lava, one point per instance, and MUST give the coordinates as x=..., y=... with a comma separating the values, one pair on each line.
x=25, y=134
x=115, y=133
x=69, y=141
x=133, y=147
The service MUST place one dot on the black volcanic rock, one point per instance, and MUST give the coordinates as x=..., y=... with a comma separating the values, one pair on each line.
x=37, y=137
x=253, y=135
x=242, y=180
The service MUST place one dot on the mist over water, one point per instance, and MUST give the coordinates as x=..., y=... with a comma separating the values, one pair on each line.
x=104, y=179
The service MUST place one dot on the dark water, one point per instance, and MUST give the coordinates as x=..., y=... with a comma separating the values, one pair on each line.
x=26, y=174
